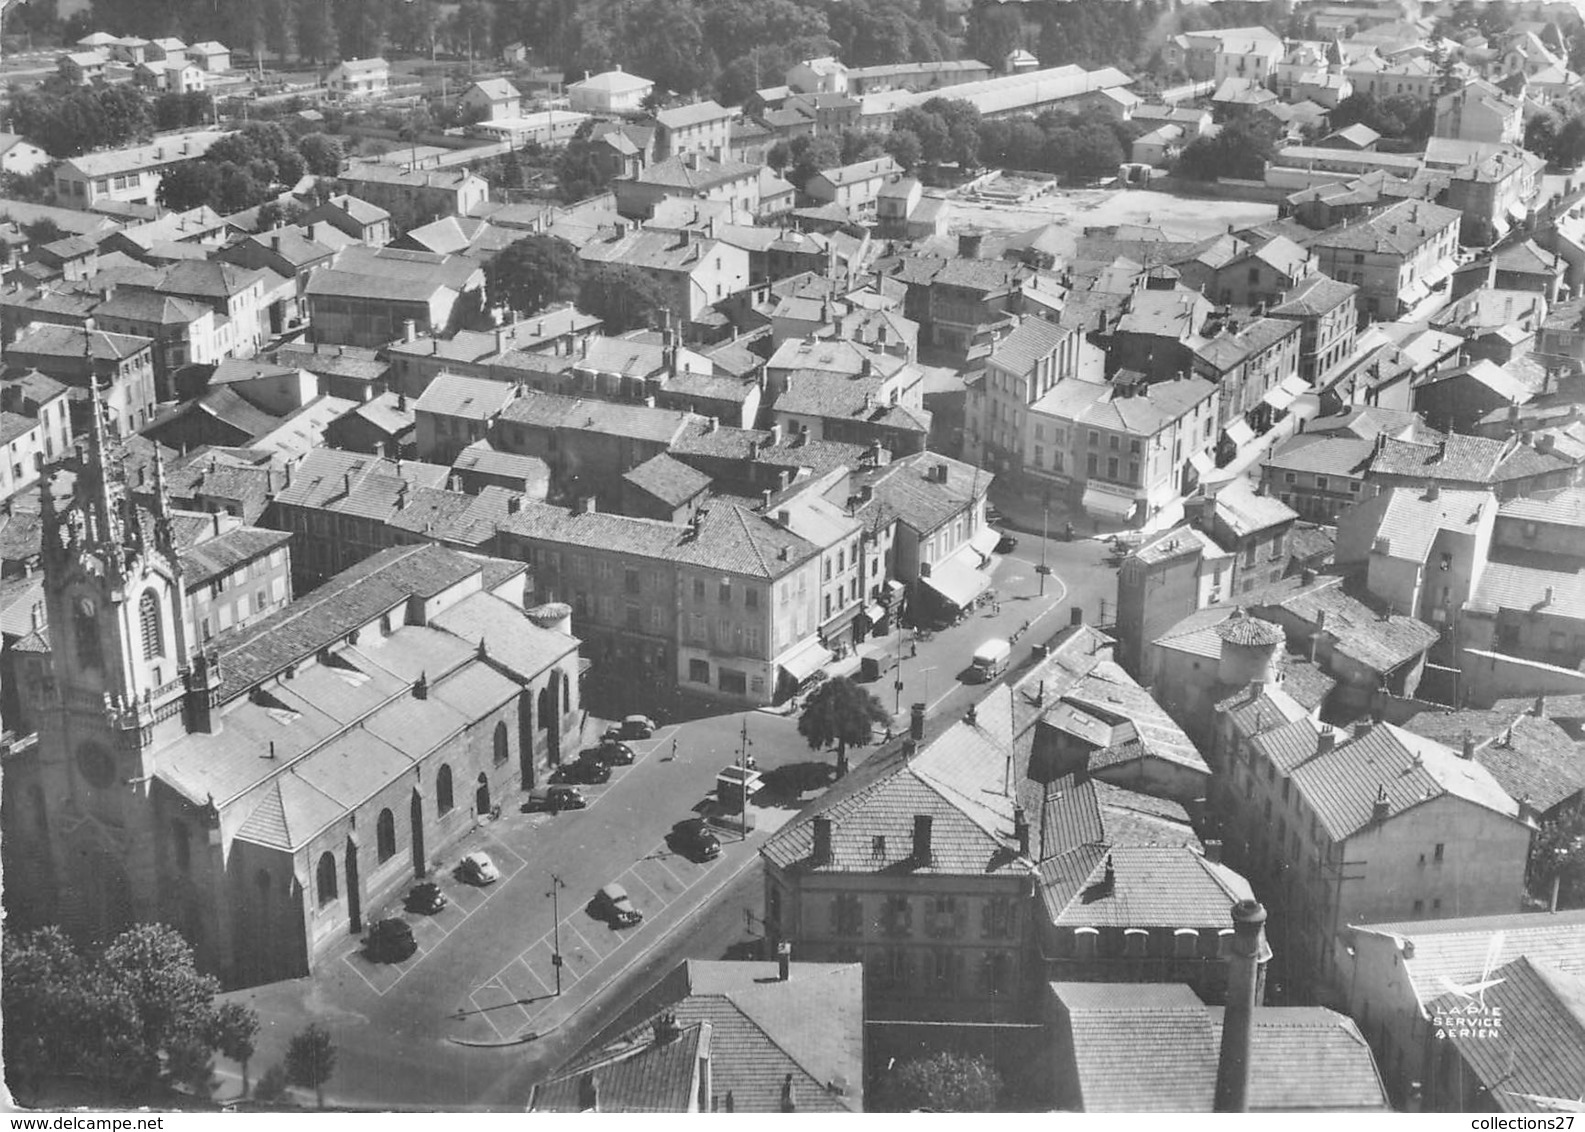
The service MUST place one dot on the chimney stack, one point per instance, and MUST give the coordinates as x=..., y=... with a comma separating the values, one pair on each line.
x=1213, y=852
x=1469, y=744
x=922, y=823
x=1076, y=615
x=1246, y=978
x=822, y=846
x=1381, y=807
x=916, y=722
x=784, y=961
x=1325, y=740
x=1021, y=830
x=1539, y=710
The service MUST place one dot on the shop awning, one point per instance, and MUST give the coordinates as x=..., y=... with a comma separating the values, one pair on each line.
x=957, y=581
x=1240, y=433
x=805, y=661
x=1202, y=463
x=1110, y=506
x=874, y=613
x=984, y=541
x=1285, y=394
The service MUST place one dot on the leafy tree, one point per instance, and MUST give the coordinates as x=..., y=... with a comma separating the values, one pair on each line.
x=579, y=173
x=414, y=26
x=1569, y=148
x=994, y=32
x=840, y=712
x=272, y=1085
x=133, y=1015
x=810, y=155
x=1540, y=135
x=859, y=146
x=904, y=147
x=1241, y=149
x=322, y=154
x=1557, y=855
x=535, y=272
x=173, y=111
x=37, y=186
x=43, y=231
x=311, y=1059
x=623, y=297
x=942, y=1082
x=189, y=184
x=234, y=1032
x=316, y=31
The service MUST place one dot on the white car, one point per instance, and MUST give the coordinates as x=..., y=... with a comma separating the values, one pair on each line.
x=477, y=868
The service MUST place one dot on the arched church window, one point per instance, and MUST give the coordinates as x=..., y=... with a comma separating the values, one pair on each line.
x=85, y=624
x=327, y=878
x=149, y=620
x=385, y=836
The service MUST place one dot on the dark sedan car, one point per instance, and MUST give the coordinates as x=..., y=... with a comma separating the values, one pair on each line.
x=389, y=941
x=1007, y=544
x=612, y=752
x=693, y=838
x=426, y=899
x=585, y=772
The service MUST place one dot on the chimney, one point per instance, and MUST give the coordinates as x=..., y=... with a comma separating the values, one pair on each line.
x=1325, y=740
x=784, y=517
x=1546, y=598
x=588, y=1093
x=916, y=722
x=1021, y=830
x=1432, y=492
x=275, y=242
x=1381, y=807
x=775, y=436
x=788, y=1102
x=1213, y=852
x=822, y=846
x=922, y=823
x=666, y=1029
x=1539, y=710
x=764, y=499
x=1246, y=978
x=217, y=522
x=409, y=330
x=514, y=505
x=1076, y=615
x=783, y=961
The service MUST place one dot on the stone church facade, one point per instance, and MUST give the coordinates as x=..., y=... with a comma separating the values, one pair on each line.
x=267, y=791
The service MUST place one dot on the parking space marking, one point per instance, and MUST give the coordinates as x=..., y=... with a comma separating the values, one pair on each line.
x=568, y=925
x=661, y=861
x=634, y=874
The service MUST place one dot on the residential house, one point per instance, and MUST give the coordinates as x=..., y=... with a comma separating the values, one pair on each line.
x=364, y=222
x=1170, y=575
x=1493, y=186
x=1382, y=78
x=1328, y=317
x=349, y=372
x=35, y=430
x=1319, y=475
x=699, y=127
x=82, y=68
x=1531, y=756
x=122, y=364
x=1396, y=257
x=240, y=295
x=665, y=489
x=167, y=49
x=856, y=187
x=371, y=296
x=1478, y=111
x=1022, y=368
x=695, y=273
x=210, y=56
x=384, y=425
x=491, y=99
x=454, y=412
x=1396, y=977
x=818, y=76
x=609, y=92
x=235, y=575
x=1197, y=53
x=1507, y=467
x=19, y=156
x=725, y=1037
x=353, y=80
x=421, y=193
x=691, y=177
x=184, y=331
x=1252, y=525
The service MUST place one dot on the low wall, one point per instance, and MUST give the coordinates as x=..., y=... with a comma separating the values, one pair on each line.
x=1224, y=188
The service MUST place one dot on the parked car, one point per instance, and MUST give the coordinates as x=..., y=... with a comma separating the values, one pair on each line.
x=477, y=868
x=554, y=799
x=586, y=771
x=612, y=903
x=992, y=515
x=1007, y=543
x=426, y=898
x=633, y=727
x=694, y=838
x=389, y=941
x=612, y=752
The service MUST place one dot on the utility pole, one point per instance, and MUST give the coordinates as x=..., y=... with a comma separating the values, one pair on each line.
x=556, y=886
x=742, y=764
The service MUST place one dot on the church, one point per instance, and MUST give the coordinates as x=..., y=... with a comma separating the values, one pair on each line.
x=267, y=790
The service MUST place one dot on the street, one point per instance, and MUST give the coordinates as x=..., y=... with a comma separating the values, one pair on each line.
x=473, y=1019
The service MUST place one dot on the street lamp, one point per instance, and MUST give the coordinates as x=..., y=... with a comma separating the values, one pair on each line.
x=556, y=886
x=1045, y=533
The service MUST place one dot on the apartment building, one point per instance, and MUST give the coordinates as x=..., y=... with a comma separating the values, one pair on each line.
x=122, y=365
x=425, y=193
x=131, y=175
x=1328, y=316
x=700, y=127
x=354, y=80
x=1396, y=257
x=695, y=272
x=691, y=176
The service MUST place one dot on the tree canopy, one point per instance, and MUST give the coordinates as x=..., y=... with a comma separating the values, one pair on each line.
x=623, y=297
x=1557, y=855
x=535, y=272
x=1241, y=149
x=311, y=1060
x=132, y=1016
x=70, y=120
x=843, y=713
x=942, y=1082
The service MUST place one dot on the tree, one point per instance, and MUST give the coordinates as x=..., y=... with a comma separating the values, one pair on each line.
x=189, y=184
x=233, y=1032
x=322, y=154
x=810, y=155
x=942, y=1082
x=316, y=31
x=840, y=712
x=903, y=145
x=272, y=1085
x=1557, y=857
x=131, y=1016
x=1241, y=149
x=535, y=272
x=994, y=33
x=311, y=1059
x=43, y=231
x=623, y=297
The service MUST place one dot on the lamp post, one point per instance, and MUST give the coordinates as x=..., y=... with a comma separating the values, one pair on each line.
x=556, y=886
x=1045, y=533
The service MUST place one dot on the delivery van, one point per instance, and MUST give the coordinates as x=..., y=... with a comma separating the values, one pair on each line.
x=990, y=660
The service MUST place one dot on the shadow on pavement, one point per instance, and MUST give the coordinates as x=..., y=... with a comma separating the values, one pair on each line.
x=783, y=787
